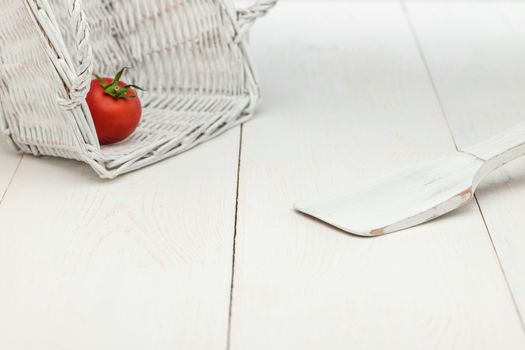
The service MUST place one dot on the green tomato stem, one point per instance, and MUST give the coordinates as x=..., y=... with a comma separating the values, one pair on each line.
x=114, y=90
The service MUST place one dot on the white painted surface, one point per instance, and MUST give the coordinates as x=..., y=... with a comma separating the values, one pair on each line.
x=342, y=105
x=477, y=63
x=144, y=262
x=402, y=199
x=420, y=193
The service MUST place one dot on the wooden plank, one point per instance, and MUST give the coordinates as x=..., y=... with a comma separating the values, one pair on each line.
x=8, y=163
x=348, y=97
x=476, y=54
x=141, y=262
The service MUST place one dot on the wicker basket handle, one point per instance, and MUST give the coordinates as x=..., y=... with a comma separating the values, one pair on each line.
x=249, y=15
x=83, y=59
x=81, y=82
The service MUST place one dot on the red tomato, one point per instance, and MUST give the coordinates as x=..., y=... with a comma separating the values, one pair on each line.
x=115, y=108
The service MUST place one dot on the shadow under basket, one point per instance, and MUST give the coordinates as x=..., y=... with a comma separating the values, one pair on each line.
x=189, y=55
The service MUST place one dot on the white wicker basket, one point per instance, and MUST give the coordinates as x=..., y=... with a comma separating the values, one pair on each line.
x=190, y=56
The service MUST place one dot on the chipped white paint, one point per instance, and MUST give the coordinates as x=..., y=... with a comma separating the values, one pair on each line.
x=483, y=95
x=421, y=193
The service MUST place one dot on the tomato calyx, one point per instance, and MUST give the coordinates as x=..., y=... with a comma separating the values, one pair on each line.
x=114, y=90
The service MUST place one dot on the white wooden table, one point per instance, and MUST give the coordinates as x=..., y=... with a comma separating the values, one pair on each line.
x=204, y=251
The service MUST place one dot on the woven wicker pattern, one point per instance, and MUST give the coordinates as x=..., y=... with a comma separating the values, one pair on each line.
x=190, y=56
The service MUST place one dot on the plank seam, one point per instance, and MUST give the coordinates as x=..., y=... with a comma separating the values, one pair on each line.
x=230, y=310
x=4, y=194
x=500, y=265
x=427, y=69
x=444, y=114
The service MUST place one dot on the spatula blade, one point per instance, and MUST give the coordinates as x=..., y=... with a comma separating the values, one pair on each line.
x=403, y=199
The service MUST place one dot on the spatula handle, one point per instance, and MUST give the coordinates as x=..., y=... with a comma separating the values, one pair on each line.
x=502, y=148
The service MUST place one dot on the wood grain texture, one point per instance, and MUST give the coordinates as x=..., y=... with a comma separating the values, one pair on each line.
x=475, y=53
x=142, y=262
x=8, y=163
x=347, y=98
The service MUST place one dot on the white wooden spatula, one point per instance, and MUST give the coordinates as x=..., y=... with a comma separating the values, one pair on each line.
x=420, y=193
